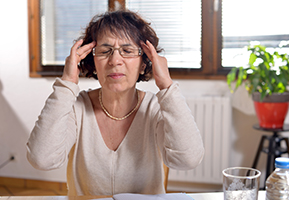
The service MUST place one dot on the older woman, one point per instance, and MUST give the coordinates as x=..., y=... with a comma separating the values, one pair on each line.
x=115, y=137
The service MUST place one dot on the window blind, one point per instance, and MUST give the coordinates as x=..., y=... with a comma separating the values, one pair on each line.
x=178, y=26
x=62, y=22
x=177, y=23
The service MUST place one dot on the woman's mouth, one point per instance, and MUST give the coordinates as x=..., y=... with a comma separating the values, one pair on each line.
x=116, y=75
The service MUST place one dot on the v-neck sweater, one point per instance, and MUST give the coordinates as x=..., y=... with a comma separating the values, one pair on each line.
x=163, y=130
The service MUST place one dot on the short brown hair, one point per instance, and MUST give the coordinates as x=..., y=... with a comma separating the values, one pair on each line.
x=122, y=23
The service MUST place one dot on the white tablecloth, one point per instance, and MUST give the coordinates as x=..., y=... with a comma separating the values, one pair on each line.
x=195, y=196
x=219, y=196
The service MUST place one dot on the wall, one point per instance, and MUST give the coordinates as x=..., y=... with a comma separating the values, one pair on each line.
x=22, y=98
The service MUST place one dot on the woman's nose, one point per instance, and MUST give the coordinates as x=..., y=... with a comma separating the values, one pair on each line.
x=115, y=58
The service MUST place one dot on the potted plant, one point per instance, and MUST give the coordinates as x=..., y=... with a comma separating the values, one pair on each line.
x=266, y=78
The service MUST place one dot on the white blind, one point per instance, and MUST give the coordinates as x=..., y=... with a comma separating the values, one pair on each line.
x=178, y=26
x=62, y=21
x=177, y=23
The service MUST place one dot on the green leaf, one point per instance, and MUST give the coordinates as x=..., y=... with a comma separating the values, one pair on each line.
x=252, y=58
x=231, y=77
x=281, y=88
x=261, y=47
x=263, y=94
x=254, y=82
x=240, y=77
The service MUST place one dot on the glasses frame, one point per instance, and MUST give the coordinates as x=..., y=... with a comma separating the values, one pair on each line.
x=140, y=52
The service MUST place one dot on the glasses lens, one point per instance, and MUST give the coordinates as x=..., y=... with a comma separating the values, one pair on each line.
x=103, y=51
x=126, y=51
x=129, y=51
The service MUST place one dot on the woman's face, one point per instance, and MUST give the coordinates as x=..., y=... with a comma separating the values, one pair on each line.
x=114, y=72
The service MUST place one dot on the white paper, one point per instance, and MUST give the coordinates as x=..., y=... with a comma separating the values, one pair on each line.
x=170, y=196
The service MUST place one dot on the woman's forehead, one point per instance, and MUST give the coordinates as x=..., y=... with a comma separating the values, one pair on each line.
x=109, y=37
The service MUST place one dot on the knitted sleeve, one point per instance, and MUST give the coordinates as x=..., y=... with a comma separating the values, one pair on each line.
x=55, y=131
x=178, y=136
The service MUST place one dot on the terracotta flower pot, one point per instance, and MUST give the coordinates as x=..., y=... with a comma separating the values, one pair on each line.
x=272, y=111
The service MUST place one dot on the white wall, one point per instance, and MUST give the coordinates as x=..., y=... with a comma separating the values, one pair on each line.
x=22, y=98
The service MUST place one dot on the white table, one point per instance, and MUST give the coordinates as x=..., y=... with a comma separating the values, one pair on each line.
x=195, y=196
x=220, y=196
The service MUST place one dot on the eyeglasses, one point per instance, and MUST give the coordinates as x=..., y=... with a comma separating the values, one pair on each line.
x=124, y=51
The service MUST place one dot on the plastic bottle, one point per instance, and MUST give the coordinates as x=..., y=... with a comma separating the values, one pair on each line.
x=277, y=184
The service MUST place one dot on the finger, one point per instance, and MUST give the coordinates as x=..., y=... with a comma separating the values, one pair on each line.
x=83, y=51
x=146, y=50
x=76, y=46
x=152, y=49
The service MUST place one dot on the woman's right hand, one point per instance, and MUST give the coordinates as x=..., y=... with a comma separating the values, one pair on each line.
x=77, y=53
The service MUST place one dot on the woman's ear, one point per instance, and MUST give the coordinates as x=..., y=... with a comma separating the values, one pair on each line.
x=142, y=68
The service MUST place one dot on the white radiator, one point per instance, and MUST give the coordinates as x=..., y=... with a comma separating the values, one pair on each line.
x=213, y=117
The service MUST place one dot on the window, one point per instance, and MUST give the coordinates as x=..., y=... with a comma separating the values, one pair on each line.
x=61, y=23
x=259, y=22
x=201, y=38
x=179, y=24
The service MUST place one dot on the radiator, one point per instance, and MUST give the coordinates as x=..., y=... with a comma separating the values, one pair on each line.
x=213, y=117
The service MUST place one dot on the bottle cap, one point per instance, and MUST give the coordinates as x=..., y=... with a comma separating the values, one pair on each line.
x=282, y=163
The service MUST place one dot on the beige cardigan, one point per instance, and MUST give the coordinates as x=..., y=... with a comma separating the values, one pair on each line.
x=163, y=130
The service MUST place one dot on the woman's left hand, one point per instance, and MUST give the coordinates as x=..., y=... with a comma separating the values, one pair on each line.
x=159, y=66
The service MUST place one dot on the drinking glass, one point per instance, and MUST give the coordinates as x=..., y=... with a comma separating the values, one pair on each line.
x=241, y=183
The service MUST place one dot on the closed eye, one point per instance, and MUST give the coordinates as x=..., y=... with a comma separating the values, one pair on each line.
x=104, y=50
x=128, y=50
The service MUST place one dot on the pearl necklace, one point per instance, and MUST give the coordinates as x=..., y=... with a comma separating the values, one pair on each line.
x=118, y=118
